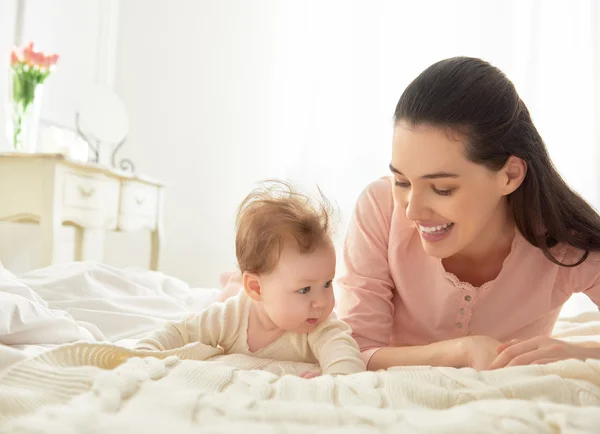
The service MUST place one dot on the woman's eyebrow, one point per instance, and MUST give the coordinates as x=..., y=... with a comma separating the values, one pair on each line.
x=436, y=175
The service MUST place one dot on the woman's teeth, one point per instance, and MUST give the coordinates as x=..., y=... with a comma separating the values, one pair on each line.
x=435, y=229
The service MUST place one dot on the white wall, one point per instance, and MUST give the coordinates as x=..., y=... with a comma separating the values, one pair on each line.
x=84, y=34
x=8, y=13
x=80, y=32
x=196, y=78
x=222, y=94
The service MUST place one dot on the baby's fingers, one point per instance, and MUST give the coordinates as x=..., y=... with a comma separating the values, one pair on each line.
x=308, y=374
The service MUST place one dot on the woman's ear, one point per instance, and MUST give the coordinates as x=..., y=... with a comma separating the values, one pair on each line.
x=513, y=174
x=251, y=283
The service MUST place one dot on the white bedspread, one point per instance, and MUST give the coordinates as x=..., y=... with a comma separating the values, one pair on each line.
x=104, y=388
x=99, y=388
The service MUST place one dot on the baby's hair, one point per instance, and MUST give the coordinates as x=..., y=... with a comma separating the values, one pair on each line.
x=273, y=212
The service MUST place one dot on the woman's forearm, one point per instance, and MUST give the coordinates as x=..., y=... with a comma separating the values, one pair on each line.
x=445, y=353
x=593, y=348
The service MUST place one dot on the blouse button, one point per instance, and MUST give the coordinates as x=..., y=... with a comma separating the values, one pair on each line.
x=458, y=325
x=461, y=311
x=467, y=298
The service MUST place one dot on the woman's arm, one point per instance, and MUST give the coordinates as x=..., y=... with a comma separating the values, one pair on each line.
x=476, y=352
x=438, y=354
x=584, y=278
x=366, y=290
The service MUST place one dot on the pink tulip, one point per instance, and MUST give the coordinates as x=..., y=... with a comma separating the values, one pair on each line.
x=53, y=59
x=45, y=63
x=33, y=59
x=14, y=59
x=37, y=58
x=28, y=57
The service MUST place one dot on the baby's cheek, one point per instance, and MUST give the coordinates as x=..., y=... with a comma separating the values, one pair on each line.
x=284, y=310
x=330, y=305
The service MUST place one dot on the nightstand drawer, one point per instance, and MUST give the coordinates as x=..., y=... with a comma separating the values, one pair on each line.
x=139, y=199
x=90, y=192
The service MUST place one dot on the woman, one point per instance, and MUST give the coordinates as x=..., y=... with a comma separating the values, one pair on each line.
x=465, y=255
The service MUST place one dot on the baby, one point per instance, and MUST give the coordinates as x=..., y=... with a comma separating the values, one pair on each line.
x=287, y=263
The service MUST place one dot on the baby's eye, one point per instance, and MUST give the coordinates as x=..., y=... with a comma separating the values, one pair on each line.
x=304, y=290
x=328, y=284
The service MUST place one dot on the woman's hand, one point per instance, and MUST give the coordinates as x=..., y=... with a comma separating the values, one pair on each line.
x=478, y=352
x=540, y=350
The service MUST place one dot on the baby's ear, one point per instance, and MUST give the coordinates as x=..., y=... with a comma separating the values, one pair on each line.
x=252, y=285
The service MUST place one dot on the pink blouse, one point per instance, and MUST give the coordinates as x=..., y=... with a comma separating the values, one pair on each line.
x=394, y=294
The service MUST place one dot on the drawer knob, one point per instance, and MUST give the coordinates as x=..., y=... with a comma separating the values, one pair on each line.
x=86, y=192
x=140, y=199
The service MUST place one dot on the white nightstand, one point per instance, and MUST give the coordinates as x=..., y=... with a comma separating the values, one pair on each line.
x=52, y=190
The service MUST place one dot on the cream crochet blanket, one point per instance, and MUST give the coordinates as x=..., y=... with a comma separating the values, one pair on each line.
x=99, y=388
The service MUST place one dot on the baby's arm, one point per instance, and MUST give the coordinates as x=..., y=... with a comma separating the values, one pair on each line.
x=208, y=327
x=335, y=348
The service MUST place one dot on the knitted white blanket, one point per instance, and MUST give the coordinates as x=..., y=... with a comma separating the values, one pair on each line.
x=98, y=388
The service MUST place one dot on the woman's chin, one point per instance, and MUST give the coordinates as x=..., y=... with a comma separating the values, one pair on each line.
x=440, y=249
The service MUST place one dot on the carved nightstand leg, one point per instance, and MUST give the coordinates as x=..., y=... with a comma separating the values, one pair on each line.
x=157, y=236
x=50, y=218
x=50, y=227
x=89, y=244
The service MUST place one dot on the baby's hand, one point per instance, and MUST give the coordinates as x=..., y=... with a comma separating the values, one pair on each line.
x=309, y=374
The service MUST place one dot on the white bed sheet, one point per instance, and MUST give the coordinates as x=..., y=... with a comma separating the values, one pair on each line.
x=87, y=301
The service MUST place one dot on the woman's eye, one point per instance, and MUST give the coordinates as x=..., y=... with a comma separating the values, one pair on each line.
x=328, y=284
x=443, y=192
x=402, y=184
x=304, y=290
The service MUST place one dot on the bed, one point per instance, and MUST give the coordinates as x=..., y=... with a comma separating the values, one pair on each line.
x=66, y=365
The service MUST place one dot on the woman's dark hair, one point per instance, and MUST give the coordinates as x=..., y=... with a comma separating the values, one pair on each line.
x=476, y=99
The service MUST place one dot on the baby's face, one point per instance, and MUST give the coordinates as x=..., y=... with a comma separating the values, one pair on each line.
x=298, y=294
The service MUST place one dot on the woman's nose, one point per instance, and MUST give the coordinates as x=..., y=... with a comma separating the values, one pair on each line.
x=414, y=207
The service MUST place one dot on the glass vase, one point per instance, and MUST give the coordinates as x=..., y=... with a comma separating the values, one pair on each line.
x=23, y=113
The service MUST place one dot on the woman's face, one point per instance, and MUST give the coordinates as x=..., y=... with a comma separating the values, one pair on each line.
x=457, y=206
